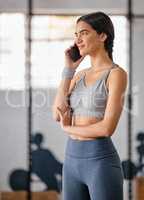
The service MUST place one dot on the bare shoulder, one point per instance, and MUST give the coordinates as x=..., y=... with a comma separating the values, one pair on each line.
x=119, y=72
x=118, y=76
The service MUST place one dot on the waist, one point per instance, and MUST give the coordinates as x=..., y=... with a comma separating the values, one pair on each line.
x=100, y=147
x=79, y=120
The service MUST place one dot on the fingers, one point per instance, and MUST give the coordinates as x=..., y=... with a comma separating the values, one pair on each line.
x=59, y=112
x=68, y=49
x=63, y=114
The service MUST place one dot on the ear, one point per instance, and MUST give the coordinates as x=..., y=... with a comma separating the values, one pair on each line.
x=103, y=37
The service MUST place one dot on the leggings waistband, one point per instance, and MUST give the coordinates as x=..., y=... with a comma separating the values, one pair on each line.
x=99, y=147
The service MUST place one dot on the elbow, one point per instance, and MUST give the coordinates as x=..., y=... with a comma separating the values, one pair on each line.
x=55, y=115
x=109, y=126
x=109, y=131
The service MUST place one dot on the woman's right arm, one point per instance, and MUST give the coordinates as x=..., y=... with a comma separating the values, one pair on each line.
x=63, y=91
x=61, y=98
x=65, y=87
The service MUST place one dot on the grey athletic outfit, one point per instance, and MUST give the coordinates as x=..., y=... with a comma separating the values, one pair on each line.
x=92, y=168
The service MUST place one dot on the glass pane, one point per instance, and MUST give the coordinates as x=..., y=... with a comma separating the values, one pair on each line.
x=12, y=51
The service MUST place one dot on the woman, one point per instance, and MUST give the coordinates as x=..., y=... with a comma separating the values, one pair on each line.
x=88, y=106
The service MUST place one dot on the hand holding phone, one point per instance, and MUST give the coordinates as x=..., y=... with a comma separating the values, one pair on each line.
x=74, y=53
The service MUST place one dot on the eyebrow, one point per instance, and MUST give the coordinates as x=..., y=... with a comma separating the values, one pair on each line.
x=81, y=31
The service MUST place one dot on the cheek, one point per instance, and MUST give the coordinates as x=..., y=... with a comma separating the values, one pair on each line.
x=94, y=44
x=91, y=44
x=92, y=41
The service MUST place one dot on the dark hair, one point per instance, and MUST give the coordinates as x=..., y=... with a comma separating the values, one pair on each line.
x=102, y=23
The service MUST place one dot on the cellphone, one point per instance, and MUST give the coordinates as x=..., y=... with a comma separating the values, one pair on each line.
x=74, y=53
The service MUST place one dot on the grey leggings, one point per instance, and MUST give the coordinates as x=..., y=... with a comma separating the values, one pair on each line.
x=92, y=171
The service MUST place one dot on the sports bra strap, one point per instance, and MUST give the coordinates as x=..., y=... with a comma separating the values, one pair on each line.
x=108, y=71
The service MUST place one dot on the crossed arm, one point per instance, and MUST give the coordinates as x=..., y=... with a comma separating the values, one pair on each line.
x=117, y=86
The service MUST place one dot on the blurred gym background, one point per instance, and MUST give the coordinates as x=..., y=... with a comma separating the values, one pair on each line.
x=33, y=37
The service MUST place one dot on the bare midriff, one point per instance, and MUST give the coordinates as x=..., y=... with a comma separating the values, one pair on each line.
x=83, y=121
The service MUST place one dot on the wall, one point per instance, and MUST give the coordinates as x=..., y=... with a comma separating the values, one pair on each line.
x=63, y=6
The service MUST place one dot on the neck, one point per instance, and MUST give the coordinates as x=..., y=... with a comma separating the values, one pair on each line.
x=100, y=60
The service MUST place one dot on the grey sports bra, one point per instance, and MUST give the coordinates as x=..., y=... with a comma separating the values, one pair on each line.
x=90, y=101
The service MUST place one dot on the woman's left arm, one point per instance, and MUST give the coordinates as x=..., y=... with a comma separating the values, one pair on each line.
x=116, y=86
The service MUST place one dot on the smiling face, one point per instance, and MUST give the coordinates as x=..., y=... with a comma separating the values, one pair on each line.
x=87, y=39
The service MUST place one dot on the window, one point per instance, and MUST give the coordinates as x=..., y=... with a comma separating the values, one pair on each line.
x=51, y=35
x=12, y=51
